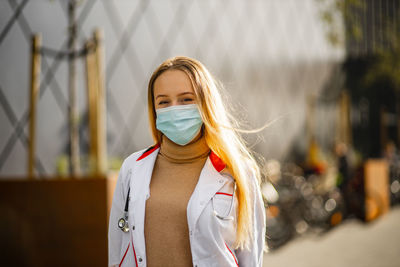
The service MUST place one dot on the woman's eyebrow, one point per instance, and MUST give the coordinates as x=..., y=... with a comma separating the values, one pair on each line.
x=161, y=96
x=184, y=93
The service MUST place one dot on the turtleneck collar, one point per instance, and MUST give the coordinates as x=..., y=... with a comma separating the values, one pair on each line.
x=191, y=152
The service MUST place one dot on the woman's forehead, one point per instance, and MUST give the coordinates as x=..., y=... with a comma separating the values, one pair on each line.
x=172, y=82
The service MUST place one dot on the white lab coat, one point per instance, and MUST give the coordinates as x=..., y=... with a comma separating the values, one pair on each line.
x=211, y=239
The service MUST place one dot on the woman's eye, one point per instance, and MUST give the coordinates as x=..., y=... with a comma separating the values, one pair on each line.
x=188, y=99
x=163, y=102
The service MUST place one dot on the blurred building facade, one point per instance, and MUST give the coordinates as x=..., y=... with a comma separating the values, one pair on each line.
x=372, y=74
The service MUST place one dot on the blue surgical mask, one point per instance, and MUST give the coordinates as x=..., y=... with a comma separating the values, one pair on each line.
x=179, y=123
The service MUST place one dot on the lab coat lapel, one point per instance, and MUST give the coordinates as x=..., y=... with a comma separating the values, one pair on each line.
x=210, y=182
x=140, y=182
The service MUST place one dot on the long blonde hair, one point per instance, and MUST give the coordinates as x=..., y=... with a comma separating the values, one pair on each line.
x=220, y=134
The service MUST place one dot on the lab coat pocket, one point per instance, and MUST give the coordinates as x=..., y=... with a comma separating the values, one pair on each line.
x=223, y=206
x=224, y=209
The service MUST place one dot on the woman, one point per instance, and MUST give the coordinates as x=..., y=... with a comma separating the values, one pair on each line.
x=193, y=198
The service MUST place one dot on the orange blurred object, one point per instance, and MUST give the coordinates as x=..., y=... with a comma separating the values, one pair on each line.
x=376, y=182
x=272, y=211
x=336, y=218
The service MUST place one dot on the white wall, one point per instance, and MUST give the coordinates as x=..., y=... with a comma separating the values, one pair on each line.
x=269, y=54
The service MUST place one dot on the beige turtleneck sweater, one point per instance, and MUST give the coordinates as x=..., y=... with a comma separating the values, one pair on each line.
x=175, y=175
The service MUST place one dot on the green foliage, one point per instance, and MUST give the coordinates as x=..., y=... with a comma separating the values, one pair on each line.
x=336, y=14
x=386, y=65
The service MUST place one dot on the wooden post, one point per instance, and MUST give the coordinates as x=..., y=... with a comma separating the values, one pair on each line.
x=34, y=91
x=91, y=97
x=310, y=118
x=397, y=104
x=345, y=135
x=73, y=115
x=101, y=104
x=383, y=129
x=96, y=104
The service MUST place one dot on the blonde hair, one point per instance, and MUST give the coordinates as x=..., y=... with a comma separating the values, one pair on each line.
x=220, y=134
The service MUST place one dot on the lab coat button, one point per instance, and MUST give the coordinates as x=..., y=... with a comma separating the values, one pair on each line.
x=140, y=259
x=133, y=227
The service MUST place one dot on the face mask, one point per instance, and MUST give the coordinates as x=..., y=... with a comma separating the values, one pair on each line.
x=179, y=123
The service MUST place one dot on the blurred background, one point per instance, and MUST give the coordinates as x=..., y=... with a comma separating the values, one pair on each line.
x=325, y=75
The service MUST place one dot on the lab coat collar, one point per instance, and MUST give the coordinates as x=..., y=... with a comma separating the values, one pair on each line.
x=142, y=171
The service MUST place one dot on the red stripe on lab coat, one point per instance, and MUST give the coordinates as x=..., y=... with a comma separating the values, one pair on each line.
x=222, y=193
x=148, y=151
x=124, y=255
x=232, y=255
x=134, y=252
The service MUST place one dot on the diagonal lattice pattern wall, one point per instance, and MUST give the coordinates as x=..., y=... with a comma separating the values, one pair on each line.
x=270, y=55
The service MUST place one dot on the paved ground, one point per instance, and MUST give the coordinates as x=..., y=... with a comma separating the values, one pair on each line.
x=353, y=243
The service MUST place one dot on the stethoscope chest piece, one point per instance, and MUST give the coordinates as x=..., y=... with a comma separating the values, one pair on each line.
x=123, y=225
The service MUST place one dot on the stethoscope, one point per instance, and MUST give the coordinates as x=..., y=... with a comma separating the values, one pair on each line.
x=123, y=222
x=124, y=226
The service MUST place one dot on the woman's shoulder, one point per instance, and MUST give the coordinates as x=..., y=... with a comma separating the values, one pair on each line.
x=138, y=155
